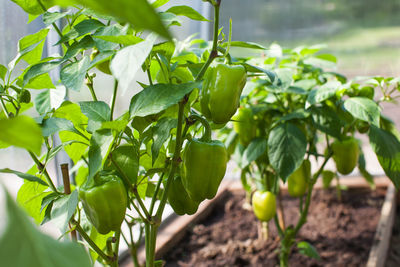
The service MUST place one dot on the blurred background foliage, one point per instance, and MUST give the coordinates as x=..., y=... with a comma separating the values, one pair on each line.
x=363, y=34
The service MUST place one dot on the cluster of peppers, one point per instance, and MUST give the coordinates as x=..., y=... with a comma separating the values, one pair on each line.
x=345, y=155
x=104, y=198
x=204, y=159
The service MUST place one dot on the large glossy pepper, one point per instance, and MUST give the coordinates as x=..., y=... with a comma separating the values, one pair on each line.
x=105, y=201
x=220, y=95
x=180, y=200
x=345, y=154
x=264, y=205
x=204, y=165
x=298, y=181
x=244, y=125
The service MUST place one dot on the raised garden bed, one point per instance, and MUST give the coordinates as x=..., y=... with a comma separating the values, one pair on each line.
x=344, y=233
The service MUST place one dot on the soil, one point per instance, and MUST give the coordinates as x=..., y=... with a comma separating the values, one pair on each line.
x=341, y=231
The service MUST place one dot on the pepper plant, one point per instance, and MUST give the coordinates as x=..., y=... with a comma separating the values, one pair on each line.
x=294, y=120
x=150, y=152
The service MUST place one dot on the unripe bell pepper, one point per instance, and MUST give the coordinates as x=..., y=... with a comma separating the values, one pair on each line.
x=104, y=200
x=104, y=66
x=345, y=154
x=220, y=95
x=180, y=200
x=264, y=205
x=298, y=180
x=244, y=125
x=204, y=166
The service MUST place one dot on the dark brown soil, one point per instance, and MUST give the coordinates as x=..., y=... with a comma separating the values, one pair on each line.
x=342, y=233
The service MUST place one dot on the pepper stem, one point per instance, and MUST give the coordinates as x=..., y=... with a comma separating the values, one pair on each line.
x=207, y=128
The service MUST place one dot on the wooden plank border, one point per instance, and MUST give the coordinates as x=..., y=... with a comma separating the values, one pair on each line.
x=380, y=245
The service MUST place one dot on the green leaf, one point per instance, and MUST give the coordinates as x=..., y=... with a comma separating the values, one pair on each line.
x=256, y=149
x=97, y=113
x=387, y=148
x=129, y=60
x=96, y=110
x=30, y=47
x=127, y=159
x=156, y=98
x=117, y=125
x=72, y=112
x=21, y=131
x=63, y=209
x=256, y=69
x=78, y=146
x=33, y=7
x=161, y=133
x=82, y=28
x=324, y=92
x=84, y=44
x=25, y=176
x=139, y=13
x=307, y=249
x=30, y=196
x=38, y=70
x=186, y=11
x=100, y=146
x=51, y=17
x=364, y=109
x=49, y=99
x=73, y=75
x=3, y=72
x=158, y=3
x=286, y=149
x=23, y=245
x=327, y=121
x=250, y=45
x=114, y=30
x=125, y=40
x=53, y=125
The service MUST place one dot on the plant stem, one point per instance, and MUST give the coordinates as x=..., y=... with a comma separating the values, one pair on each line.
x=281, y=214
x=113, y=99
x=42, y=169
x=288, y=236
x=4, y=108
x=151, y=230
x=89, y=84
x=207, y=128
x=116, y=247
x=303, y=216
x=67, y=190
x=214, y=50
x=175, y=160
x=153, y=201
x=90, y=242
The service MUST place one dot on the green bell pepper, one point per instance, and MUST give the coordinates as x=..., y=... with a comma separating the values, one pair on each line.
x=345, y=154
x=298, y=180
x=204, y=165
x=104, y=200
x=180, y=200
x=220, y=95
x=264, y=205
x=244, y=125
